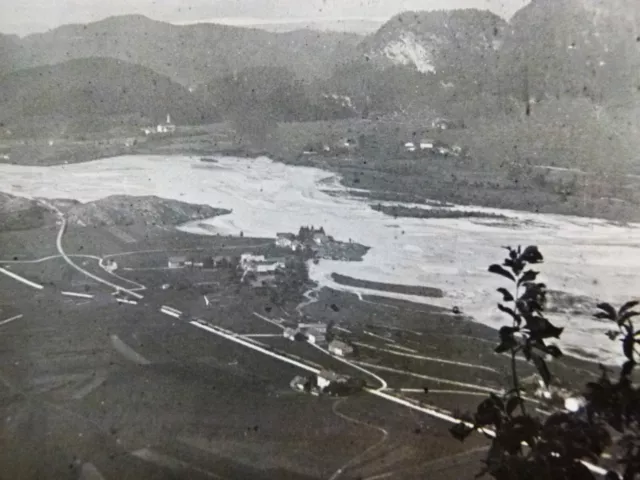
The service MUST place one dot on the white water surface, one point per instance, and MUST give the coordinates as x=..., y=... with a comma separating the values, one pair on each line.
x=582, y=256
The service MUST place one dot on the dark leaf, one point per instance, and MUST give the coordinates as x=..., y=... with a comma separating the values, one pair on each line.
x=603, y=316
x=626, y=316
x=488, y=413
x=506, y=295
x=497, y=401
x=529, y=276
x=532, y=255
x=497, y=269
x=627, y=368
x=505, y=346
x=541, y=328
x=611, y=476
x=627, y=346
x=507, y=341
x=612, y=314
x=554, y=351
x=628, y=306
x=510, y=311
x=543, y=370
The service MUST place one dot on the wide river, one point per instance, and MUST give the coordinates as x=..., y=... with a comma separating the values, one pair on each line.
x=582, y=256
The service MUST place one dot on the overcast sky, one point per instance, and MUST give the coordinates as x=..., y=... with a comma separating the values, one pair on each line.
x=27, y=16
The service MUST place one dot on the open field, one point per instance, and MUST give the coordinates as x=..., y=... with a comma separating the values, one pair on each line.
x=124, y=387
x=148, y=394
x=134, y=393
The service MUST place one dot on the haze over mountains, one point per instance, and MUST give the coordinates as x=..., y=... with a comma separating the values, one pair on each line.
x=550, y=49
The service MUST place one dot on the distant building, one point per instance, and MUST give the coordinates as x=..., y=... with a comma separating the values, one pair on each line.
x=248, y=258
x=325, y=378
x=348, y=144
x=289, y=333
x=315, y=326
x=410, y=147
x=166, y=127
x=300, y=384
x=110, y=265
x=443, y=124
x=177, y=262
x=320, y=238
x=307, y=332
x=315, y=333
x=341, y=349
x=285, y=240
x=426, y=144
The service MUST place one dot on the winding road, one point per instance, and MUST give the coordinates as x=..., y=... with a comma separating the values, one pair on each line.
x=72, y=264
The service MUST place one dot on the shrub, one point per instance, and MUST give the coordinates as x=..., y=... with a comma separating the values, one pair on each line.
x=524, y=446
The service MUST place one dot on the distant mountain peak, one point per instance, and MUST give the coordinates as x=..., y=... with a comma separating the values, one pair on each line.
x=436, y=41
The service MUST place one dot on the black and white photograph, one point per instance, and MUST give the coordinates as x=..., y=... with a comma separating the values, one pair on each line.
x=320, y=239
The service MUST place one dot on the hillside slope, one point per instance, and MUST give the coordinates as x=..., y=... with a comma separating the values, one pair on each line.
x=18, y=213
x=97, y=87
x=146, y=210
x=450, y=42
x=189, y=54
x=573, y=47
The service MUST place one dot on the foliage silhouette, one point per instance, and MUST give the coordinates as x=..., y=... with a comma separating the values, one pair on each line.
x=525, y=447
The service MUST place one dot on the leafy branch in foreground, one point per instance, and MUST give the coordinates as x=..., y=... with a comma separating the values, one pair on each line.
x=526, y=447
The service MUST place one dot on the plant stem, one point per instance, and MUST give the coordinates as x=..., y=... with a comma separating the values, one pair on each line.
x=514, y=352
x=516, y=381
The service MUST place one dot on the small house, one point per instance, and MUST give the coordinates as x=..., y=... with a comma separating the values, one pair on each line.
x=285, y=240
x=326, y=378
x=315, y=332
x=177, y=262
x=247, y=258
x=426, y=144
x=410, y=147
x=110, y=265
x=443, y=124
x=340, y=349
x=166, y=127
x=300, y=384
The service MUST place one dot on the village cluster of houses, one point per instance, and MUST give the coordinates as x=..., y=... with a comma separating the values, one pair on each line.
x=432, y=146
x=260, y=271
x=316, y=244
x=183, y=261
x=167, y=127
x=316, y=333
x=347, y=145
x=327, y=382
x=257, y=270
x=307, y=238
